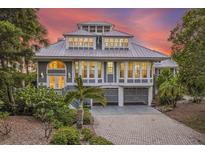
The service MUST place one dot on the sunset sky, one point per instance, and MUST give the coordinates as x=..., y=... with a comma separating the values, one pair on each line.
x=151, y=27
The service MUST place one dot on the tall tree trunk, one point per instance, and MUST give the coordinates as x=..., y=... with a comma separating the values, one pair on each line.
x=80, y=115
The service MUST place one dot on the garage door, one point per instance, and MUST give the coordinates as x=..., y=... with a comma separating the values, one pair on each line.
x=111, y=94
x=134, y=96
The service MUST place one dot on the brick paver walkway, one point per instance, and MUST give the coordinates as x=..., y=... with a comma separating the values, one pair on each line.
x=148, y=127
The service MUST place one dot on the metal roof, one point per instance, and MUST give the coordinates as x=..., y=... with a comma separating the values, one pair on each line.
x=58, y=50
x=166, y=63
x=86, y=33
x=80, y=33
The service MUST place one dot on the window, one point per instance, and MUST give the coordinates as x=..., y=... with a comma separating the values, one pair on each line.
x=52, y=82
x=121, y=43
x=75, y=42
x=122, y=69
x=56, y=65
x=130, y=70
x=116, y=43
x=137, y=70
x=144, y=70
x=106, y=42
x=90, y=42
x=99, y=69
x=76, y=69
x=111, y=43
x=85, y=28
x=125, y=43
x=80, y=43
x=106, y=28
x=85, y=42
x=84, y=69
x=70, y=42
x=99, y=29
x=110, y=67
x=92, y=28
x=61, y=82
x=92, y=70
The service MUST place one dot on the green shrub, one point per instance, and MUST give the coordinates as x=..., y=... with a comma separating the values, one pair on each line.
x=98, y=140
x=87, y=119
x=87, y=134
x=68, y=118
x=66, y=136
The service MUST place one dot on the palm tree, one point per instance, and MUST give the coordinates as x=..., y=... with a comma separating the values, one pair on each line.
x=81, y=93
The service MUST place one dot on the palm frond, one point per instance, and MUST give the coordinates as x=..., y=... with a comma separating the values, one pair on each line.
x=94, y=90
x=71, y=96
x=99, y=98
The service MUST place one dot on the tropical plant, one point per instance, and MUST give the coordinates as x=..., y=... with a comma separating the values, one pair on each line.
x=82, y=93
x=66, y=136
x=99, y=140
x=87, y=134
x=164, y=76
x=188, y=46
x=87, y=118
x=170, y=92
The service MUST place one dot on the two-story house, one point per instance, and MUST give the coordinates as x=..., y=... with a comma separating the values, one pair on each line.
x=104, y=57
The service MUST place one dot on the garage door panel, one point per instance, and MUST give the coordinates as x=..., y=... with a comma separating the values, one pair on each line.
x=111, y=94
x=135, y=96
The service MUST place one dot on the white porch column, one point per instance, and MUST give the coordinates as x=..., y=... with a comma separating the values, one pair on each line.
x=150, y=95
x=120, y=96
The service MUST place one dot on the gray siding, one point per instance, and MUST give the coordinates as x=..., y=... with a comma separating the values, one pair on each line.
x=42, y=66
x=135, y=96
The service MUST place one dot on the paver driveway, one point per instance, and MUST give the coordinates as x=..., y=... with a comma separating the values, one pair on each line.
x=141, y=125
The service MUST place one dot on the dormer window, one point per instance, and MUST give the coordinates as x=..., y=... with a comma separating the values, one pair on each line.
x=115, y=43
x=80, y=42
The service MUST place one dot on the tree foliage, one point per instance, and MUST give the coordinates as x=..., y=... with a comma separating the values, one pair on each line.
x=188, y=46
x=82, y=93
x=170, y=92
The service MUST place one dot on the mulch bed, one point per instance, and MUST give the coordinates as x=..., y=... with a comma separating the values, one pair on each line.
x=191, y=114
x=25, y=130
